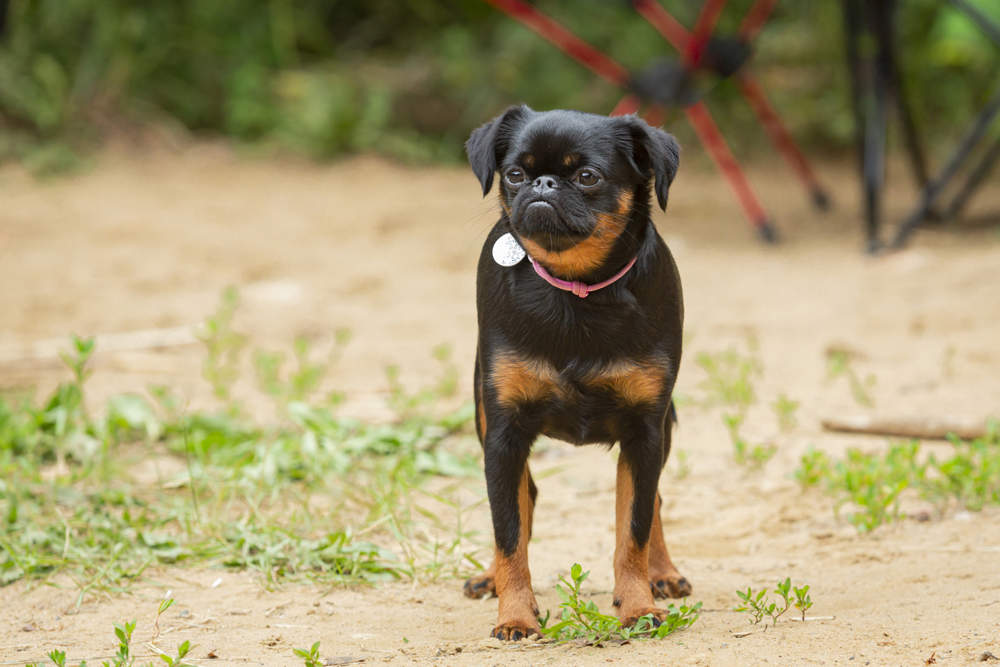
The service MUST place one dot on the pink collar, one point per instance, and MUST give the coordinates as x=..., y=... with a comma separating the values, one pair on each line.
x=576, y=287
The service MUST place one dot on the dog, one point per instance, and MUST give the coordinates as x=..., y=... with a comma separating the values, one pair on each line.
x=580, y=319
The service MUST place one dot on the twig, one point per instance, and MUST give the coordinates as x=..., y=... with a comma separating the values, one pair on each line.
x=907, y=427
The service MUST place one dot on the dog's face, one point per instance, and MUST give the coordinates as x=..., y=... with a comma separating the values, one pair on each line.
x=569, y=178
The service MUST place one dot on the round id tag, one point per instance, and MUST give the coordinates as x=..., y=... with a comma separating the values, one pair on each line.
x=507, y=251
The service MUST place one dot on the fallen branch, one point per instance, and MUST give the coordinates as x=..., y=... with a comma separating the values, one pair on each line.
x=907, y=427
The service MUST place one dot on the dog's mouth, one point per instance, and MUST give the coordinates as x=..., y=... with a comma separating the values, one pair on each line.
x=544, y=222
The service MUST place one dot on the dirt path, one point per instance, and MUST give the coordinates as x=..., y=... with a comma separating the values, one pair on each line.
x=145, y=241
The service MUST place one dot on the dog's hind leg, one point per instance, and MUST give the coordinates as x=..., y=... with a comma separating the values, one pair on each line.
x=664, y=579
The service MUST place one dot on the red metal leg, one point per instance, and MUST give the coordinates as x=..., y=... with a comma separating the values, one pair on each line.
x=712, y=139
x=572, y=45
x=667, y=25
x=626, y=105
x=755, y=19
x=781, y=138
x=703, y=29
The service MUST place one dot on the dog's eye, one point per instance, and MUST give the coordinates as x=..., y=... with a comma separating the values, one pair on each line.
x=587, y=178
x=515, y=176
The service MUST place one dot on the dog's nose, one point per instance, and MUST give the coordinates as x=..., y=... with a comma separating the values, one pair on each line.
x=544, y=184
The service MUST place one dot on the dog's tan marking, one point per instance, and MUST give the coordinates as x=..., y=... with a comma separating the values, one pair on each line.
x=481, y=421
x=633, y=597
x=633, y=382
x=518, y=610
x=503, y=202
x=518, y=380
x=664, y=579
x=570, y=159
x=528, y=160
x=591, y=252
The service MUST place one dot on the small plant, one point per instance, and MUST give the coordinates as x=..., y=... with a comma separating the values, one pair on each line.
x=123, y=657
x=310, y=656
x=753, y=603
x=839, y=363
x=583, y=620
x=223, y=345
x=178, y=660
x=784, y=408
x=757, y=604
x=802, y=600
x=814, y=467
x=729, y=378
x=683, y=468
x=744, y=453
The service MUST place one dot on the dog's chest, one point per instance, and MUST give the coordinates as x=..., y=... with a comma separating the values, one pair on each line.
x=580, y=402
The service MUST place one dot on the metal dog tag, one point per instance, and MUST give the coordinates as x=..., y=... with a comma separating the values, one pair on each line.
x=507, y=251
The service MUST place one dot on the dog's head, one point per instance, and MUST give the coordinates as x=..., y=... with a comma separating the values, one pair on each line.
x=571, y=182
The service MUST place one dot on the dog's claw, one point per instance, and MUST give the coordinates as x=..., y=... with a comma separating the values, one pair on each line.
x=666, y=587
x=513, y=631
x=479, y=587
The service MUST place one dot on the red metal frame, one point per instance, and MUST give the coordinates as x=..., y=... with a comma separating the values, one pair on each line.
x=691, y=45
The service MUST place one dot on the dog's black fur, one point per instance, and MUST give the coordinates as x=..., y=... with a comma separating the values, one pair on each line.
x=575, y=192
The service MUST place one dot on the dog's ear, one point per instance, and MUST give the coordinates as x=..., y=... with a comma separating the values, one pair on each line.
x=487, y=144
x=653, y=150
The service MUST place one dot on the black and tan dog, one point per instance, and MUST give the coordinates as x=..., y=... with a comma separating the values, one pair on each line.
x=579, y=340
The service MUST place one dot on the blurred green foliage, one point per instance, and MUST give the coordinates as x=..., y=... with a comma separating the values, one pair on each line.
x=410, y=78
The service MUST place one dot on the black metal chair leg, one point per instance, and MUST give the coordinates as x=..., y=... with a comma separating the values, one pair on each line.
x=952, y=167
x=974, y=180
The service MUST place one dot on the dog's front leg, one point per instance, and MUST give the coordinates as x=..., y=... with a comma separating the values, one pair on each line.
x=639, y=465
x=508, y=484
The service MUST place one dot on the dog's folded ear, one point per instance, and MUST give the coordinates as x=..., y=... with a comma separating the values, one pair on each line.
x=487, y=144
x=653, y=150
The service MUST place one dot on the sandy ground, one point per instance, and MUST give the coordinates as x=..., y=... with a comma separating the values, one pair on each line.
x=149, y=240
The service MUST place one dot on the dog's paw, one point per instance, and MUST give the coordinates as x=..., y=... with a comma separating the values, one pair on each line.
x=479, y=587
x=515, y=630
x=630, y=618
x=670, y=586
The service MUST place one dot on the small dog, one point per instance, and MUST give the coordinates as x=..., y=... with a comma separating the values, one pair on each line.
x=580, y=317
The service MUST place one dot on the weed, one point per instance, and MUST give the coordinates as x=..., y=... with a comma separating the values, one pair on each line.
x=784, y=408
x=802, y=600
x=758, y=604
x=581, y=619
x=310, y=656
x=729, y=377
x=744, y=453
x=248, y=496
x=814, y=467
x=839, y=363
x=223, y=345
x=873, y=484
x=682, y=468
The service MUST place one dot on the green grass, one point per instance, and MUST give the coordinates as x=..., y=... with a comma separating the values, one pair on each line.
x=869, y=487
x=581, y=619
x=100, y=498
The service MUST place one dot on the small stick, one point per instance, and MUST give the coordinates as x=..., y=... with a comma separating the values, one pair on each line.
x=812, y=618
x=907, y=427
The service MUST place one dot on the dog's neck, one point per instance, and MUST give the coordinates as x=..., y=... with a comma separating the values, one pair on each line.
x=578, y=288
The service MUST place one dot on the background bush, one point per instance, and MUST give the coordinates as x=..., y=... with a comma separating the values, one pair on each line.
x=410, y=78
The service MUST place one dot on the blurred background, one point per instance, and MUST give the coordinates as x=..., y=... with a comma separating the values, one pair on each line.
x=409, y=78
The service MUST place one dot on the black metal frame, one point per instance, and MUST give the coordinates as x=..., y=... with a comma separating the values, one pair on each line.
x=875, y=77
